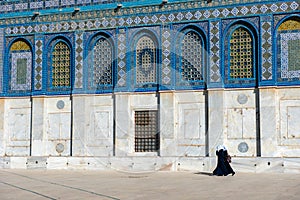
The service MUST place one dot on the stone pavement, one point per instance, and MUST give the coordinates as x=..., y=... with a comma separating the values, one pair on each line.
x=113, y=185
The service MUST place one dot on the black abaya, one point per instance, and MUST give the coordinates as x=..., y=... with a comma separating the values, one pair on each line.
x=223, y=167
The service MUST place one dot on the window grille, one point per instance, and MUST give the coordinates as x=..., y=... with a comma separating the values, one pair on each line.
x=191, y=57
x=241, y=55
x=61, y=63
x=102, y=57
x=146, y=131
x=145, y=60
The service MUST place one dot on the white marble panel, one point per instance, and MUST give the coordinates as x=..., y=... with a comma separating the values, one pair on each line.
x=293, y=113
x=289, y=118
x=59, y=126
x=17, y=127
x=234, y=123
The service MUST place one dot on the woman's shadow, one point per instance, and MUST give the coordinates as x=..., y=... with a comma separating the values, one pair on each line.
x=204, y=173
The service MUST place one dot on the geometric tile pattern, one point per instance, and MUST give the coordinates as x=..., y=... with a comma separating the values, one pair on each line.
x=166, y=55
x=38, y=75
x=121, y=58
x=78, y=60
x=266, y=47
x=289, y=55
x=20, y=5
x=215, y=75
x=177, y=15
x=21, y=65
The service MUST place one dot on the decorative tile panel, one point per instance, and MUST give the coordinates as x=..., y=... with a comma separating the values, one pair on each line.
x=78, y=60
x=215, y=75
x=121, y=58
x=289, y=55
x=267, y=38
x=21, y=64
x=89, y=20
x=166, y=56
x=38, y=75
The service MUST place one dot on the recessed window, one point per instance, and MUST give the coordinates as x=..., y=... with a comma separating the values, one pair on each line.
x=146, y=131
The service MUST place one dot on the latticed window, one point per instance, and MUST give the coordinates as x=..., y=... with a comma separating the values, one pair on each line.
x=61, y=63
x=102, y=60
x=191, y=57
x=241, y=54
x=146, y=131
x=145, y=60
x=21, y=65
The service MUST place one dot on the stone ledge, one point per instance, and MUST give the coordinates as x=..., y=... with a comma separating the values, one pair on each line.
x=148, y=164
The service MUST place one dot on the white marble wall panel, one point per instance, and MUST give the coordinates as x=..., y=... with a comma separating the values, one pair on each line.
x=190, y=123
x=57, y=126
x=126, y=106
x=289, y=122
x=269, y=122
x=17, y=127
x=240, y=121
x=168, y=142
x=216, y=119
x=93, y=125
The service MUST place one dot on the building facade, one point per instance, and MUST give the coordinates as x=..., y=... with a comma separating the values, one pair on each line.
x=149, y=85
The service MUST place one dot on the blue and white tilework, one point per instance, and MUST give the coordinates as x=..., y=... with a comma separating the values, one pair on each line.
x=38, y=75
x=287, y=39
x=121, y=58
x=14, y=71
x=79, y=60
x=266, y=47
x=166, y=56
x=215, y=75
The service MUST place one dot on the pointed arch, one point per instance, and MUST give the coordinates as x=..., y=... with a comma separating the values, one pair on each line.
x=60, y=56
x=101, y=62
x=145, y=58
x=241, y=55
x=191, y=55
x=20, y=65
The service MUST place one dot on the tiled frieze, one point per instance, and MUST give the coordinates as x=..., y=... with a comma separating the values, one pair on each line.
x=92, y=20
x=121, y=58
x=266, y=47
x=214, y=41
x=38, y=75
x=78, y=60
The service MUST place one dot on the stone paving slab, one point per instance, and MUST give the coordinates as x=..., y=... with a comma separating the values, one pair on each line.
x=113, y=185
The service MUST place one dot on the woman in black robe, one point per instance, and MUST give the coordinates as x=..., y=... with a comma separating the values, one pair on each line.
x=223, y=167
